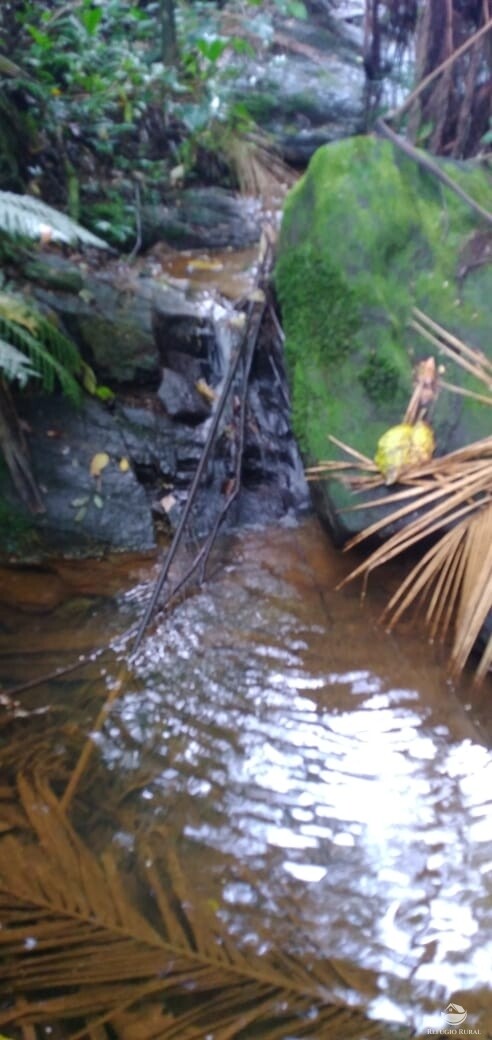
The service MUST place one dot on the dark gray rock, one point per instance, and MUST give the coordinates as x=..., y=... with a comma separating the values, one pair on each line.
x=125, y=326
x=180, y=398
x=307, y=86
x=202, y=218
x=84, y=515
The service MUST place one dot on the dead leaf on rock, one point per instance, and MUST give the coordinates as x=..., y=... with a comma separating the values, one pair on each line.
x=205, y=390
x=98, y=462
x=167, y=503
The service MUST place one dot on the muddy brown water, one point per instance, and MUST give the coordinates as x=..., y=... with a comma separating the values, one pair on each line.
x=328, y=787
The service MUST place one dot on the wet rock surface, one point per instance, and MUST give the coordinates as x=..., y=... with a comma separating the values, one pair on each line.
x=154, y=431
x=307, y=85
x=202, y=218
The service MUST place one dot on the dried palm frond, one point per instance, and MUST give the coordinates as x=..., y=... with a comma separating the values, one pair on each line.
x=447, y=500
x=80, y=947
x=260, y=170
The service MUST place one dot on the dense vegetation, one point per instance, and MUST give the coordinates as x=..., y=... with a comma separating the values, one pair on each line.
x=104, y=103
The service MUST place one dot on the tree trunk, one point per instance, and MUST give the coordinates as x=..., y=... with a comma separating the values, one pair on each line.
x=169, y=40
x=452, y=115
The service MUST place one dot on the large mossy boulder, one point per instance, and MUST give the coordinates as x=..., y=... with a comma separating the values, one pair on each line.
x=367, y=235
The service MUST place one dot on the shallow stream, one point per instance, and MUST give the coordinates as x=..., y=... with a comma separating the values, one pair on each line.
x=328, y=789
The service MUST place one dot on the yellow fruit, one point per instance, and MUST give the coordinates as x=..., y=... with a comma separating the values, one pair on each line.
x=402, y=447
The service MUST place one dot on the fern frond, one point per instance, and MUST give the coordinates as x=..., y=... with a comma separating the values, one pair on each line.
x=52, y=355
x=30, y=217
x=15, y=365
x=49, y=368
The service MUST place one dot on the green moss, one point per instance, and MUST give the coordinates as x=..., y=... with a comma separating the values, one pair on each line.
x=366, y=236
x=320, y=337
x=305, y=277
x=380, y=378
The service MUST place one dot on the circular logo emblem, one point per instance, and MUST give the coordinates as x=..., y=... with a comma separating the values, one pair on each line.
x=454, y=1015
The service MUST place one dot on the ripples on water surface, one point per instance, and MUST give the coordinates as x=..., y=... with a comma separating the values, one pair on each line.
x=330, y=791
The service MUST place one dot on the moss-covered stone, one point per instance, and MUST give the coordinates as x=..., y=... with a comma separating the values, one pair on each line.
x=366, y=236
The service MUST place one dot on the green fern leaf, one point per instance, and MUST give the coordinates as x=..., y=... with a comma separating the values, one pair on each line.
x=52, y=356
x=15, y=365
x=32, y=218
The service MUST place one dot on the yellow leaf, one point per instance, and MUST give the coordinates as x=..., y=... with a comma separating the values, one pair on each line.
x=89, y=382
x=205, y=390
x=124, y=465
x=205, y=264
x=15, y=310
x=99, y=462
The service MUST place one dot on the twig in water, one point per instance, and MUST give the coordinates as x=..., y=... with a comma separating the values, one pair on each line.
x=207, y=448
x=246, y=348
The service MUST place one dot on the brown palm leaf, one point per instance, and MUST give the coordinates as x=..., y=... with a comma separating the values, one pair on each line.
x=81, y=948
x=449, y=498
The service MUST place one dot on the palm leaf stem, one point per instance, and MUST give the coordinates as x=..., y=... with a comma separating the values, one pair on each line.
x=451, y=352
x=472, y=354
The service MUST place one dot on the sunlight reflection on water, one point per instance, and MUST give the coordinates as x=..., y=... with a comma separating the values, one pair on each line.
x=326, y=789
x=345, y=790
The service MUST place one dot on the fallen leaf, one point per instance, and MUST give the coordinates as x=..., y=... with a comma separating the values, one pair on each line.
x=89, y=381
x=124, y=465
x=98, y=502
x=205, y=390
x=204, y=264
x=256, y=296
x=167, y=503
x=98, y=462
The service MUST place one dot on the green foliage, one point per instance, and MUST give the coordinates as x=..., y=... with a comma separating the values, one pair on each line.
x=14, y=365
x=32, y=346
x=28, y=217
x=99, y=94
x=293, y=8
x=47, y=353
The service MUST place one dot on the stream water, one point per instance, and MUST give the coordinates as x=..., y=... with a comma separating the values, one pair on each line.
x=328, y=789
